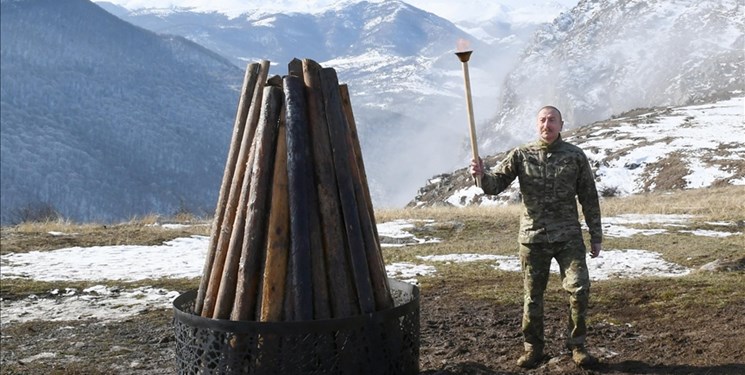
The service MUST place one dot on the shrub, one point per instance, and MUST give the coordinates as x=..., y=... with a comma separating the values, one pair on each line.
x=35, y=213
x=609, y=192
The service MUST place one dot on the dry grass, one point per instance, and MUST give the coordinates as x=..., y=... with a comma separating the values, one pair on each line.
x=717, y=203
x=449, y=213
x=666, y=174
x=491, y=230
x=42, y=236
x=720, y=203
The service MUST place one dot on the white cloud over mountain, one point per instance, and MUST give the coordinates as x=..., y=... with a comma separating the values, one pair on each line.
x=455, y=11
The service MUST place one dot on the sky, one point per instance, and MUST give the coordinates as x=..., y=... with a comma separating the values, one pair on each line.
x=184, y=258
x=455, y=11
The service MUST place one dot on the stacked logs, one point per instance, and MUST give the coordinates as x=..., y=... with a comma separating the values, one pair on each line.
x=294, y=235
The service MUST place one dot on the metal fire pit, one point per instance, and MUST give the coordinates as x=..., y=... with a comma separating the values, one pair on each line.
x=383, y=342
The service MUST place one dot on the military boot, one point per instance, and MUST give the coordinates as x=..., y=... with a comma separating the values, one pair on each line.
x=581, y=357
x=530, y=359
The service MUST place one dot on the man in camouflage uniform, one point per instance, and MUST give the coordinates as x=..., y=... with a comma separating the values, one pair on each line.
x=551, y=173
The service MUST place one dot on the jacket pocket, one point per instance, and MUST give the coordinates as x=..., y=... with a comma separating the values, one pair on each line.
x=565, y=184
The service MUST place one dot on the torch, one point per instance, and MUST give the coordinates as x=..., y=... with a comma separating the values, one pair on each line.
x=464, y=56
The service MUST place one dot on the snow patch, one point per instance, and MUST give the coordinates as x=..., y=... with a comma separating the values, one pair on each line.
x=610, y=264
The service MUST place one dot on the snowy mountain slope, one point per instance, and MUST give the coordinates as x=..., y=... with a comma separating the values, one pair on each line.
x=653, y=149
x=609, y=56
x=392, y=28
x=104, y=121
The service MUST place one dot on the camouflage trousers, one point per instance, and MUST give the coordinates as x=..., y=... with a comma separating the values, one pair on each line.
x=536, y=261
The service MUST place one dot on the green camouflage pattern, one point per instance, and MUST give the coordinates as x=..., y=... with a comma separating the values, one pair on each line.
x=550, y=177
x=535, y=259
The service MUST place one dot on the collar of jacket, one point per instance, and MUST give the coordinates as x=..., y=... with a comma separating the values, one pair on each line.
x=550, y=146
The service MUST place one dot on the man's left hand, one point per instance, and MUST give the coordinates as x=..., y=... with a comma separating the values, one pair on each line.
x=595, y=249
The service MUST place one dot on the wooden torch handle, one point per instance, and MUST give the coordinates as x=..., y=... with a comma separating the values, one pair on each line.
x=471, y=123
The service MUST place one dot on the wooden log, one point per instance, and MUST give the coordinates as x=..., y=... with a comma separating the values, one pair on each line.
x=278, y=241
x=295, y=68
x=236, y=188
x=299, y=178
x=341, y=294
x=244, y=103
x=321, y=303
x=352, y=123
x=378, y=276
x=262, y=170
x=343, y=160
x=288, y=310
x=228, y=279
x=274, y=80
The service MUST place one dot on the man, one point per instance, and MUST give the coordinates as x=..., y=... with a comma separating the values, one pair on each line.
x=551, y=173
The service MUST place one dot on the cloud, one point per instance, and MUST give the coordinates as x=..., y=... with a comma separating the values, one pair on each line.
x=470, y=10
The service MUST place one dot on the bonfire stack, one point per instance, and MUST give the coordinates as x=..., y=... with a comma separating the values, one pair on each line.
x=294, y=235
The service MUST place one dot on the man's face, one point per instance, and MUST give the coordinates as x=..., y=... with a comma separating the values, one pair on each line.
x=549, y=125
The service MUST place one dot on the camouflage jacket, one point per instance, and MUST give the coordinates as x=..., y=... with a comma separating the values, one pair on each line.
x=550, y=177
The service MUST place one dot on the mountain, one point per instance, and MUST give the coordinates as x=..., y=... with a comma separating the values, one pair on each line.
x=643, y=150
x=102, y=120
x=605, y=57
x=391, y=27
x=406, y=84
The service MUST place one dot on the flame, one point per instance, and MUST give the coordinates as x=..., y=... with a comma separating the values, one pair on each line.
x=463, y=45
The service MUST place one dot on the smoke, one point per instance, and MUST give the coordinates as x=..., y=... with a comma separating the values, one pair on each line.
x=406, y=143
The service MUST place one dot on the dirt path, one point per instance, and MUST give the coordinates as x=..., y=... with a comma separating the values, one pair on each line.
x=465, y=336
x=459, y=335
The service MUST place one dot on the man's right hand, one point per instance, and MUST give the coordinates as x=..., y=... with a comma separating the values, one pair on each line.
x=476, y=168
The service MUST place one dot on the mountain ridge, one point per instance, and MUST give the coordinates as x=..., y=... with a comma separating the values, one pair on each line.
x=99, y=120
x=642, y=150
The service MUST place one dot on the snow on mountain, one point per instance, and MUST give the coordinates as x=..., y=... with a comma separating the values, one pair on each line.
x=701, y=140
x=653, y=149
x=608, y=56
x=470, y=10
x=393, y=27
